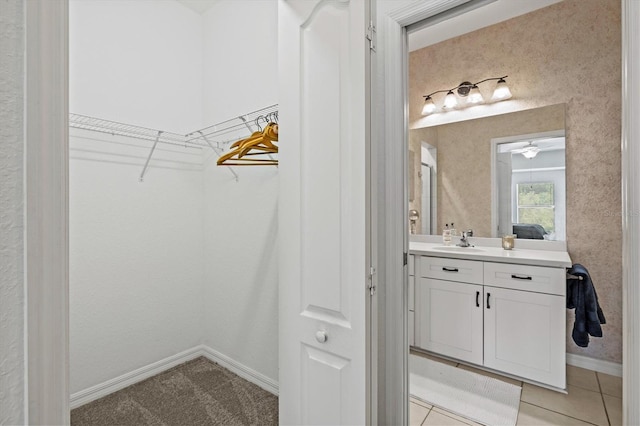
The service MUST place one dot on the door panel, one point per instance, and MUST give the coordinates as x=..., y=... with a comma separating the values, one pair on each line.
x=525, y=334
x=321, y=371
x=324, y=63
x=323, y=252
x=449, y=319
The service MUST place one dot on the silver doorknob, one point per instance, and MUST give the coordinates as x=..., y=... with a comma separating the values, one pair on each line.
x=321, y=336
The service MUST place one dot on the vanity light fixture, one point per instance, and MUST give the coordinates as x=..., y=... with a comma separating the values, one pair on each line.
x=475, y=97
x=450, y=101
x=429, y=106
x=470, y=92
x=502, y=91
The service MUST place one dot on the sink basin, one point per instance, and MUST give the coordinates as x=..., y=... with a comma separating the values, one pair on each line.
x=459, y=249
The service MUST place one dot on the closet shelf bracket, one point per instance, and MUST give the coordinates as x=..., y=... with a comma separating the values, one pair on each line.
x=219, y=151
x=146, y=164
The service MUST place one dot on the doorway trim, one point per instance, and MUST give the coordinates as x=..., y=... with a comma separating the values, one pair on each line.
x=390, y=124
x=394, y=116
x=46, y=177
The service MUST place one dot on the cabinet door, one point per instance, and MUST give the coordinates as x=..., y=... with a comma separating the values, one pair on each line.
x=524, y=334
x=449, y=318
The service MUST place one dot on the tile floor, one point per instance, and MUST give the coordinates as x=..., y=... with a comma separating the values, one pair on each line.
x=593, y=399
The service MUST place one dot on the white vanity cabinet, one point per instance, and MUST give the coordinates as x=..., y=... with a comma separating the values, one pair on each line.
x=503, y=316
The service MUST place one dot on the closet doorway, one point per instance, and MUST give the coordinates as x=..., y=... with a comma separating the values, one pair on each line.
x=172, y=310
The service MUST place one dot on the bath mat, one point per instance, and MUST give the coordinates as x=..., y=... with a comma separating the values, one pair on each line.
x=476, y=397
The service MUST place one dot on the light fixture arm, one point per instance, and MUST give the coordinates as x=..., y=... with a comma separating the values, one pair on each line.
x=465, y=84
x=438, y=91
x=489, y=79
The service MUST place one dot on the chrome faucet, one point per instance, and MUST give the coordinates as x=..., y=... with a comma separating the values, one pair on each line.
x=464, y=242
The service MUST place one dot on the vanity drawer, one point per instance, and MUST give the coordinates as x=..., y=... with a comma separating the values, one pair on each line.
x=466, y=271
x=537, y=279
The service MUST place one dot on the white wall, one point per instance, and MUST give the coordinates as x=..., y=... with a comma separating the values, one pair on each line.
x=241, y=287
x=136, y=268
x=12, y=355
x=136, y=60
x=146, y=281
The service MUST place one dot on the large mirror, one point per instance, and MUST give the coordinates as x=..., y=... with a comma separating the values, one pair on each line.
x=497, y=175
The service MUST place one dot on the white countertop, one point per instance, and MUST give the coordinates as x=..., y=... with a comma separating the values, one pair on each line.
x=522, y=256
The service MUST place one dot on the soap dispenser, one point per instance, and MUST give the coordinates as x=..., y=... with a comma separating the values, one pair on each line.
x=446, y=235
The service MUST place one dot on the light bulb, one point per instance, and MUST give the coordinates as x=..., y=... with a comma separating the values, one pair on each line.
x=502, y=91
x=450, y=101
x=429, y=107
x=475, y=97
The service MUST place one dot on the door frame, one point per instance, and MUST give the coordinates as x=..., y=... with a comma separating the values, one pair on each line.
x=46, y=117
x=393, y=116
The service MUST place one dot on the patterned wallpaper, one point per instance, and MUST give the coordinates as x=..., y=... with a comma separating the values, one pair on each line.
x=568, y=53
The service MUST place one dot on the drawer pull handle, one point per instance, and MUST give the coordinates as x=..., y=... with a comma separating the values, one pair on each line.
x=521, y=277
x=488, y=295
x=444, y=268
x=477, y=299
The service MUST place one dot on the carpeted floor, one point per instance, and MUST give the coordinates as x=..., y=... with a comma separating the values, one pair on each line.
x=198, y=392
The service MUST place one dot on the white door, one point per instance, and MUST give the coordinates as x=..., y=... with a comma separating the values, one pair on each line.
x=322, y=238
x=525, y=334
x=449, y=319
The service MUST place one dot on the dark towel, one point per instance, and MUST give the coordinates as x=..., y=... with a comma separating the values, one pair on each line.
x=581, y=295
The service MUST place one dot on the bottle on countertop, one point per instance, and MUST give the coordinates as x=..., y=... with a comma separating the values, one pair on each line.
x=453, y=230
x=446, y=235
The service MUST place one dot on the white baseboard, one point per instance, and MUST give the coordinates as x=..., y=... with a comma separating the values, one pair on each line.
x=105, y=388
x=606, y=367
x=242, y=370
x=110, y=386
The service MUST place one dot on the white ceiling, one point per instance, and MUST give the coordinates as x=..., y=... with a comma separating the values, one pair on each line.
x=492, y=13
x=198, y=6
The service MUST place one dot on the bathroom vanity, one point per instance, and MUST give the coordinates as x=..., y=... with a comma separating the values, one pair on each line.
x=503, y=310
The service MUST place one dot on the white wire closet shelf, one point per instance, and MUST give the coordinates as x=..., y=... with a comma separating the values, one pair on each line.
x=215, y=136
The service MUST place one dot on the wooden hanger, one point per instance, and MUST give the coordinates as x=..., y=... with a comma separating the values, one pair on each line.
x=259, y=143
x=269, y=135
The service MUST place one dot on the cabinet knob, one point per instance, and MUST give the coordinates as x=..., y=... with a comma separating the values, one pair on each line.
x=321, y=336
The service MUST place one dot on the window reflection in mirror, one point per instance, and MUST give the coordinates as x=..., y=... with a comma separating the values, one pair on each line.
x=530, y=170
